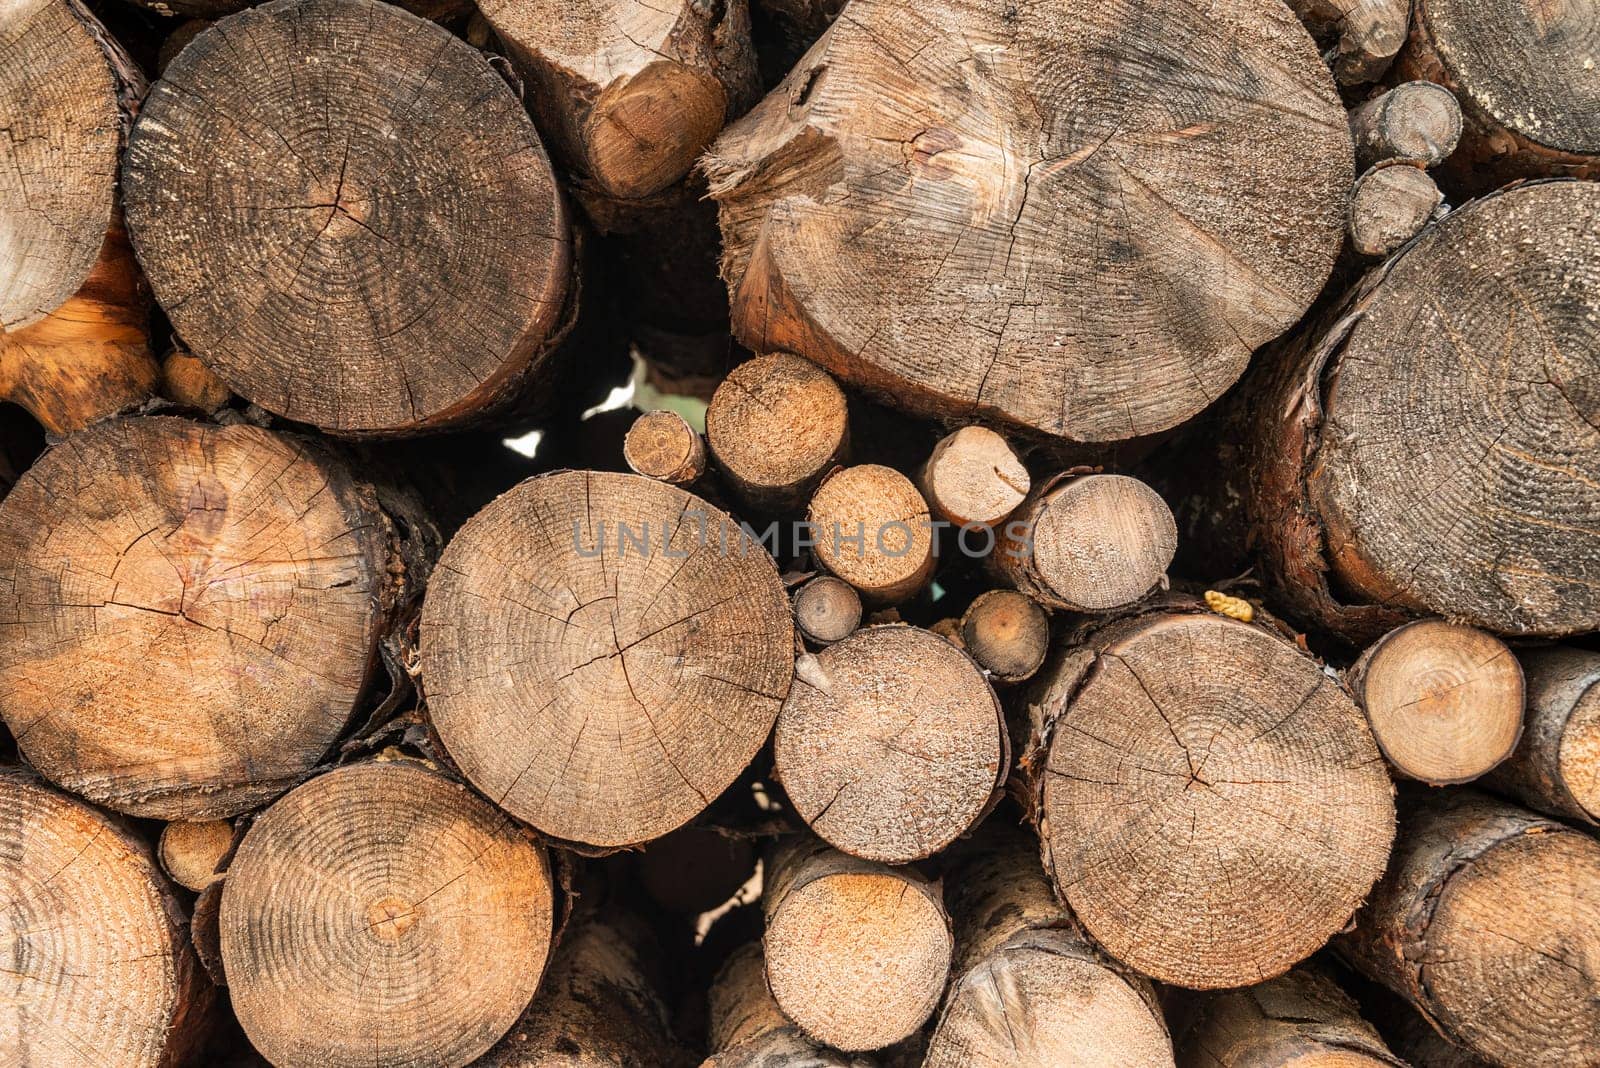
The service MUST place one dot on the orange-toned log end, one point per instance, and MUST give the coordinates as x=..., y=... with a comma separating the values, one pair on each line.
x=646, y=133
x=192, y=852
x=187, y=381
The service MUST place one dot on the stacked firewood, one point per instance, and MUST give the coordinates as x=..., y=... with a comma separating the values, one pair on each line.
x=963, y=533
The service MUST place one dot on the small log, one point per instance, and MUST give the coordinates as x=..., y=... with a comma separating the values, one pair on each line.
x=872, y=529
x=599, y=1004
x=1444, y=700
x=926, y=227
x=187, y=381
x=827, y=610
x=1028, y=991
x=298, y=248
x=1488, y=921
x=1415, y=122
x=603, y=654
x=775, y=426
x=1088, y=543
x=1389, y=206
x=98, y=964
x=1007, y=633
x=662, y=445
x=891, y=744
x=1527, y=80
x=973, y=479
x=1226, y=730
x=1301, y=1018
x=207, y=602
x=358, y=913
x=629, y=93
x=857, y=953
x=1556, y=767
x=748, y=1030
x=191, y=852
x=1366, y=35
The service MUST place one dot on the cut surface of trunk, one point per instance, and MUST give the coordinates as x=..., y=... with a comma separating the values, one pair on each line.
x=1488, y=921
x=1213, y=807
x=973, y=478
x=1389, y=206
x=776, y=425
x=1556, y=767
x=1444, y=701
x=1366, y=35
x=1007, y=633
x=190, y=612
x=872, y=529
x=662, y=445
x=891, y=744
x=603, y=654
x=1417, y=122
x=913, y=220
x=748, y=1030
x=191, y=850
x=1301, y=1019
x=383, y=913
x=827, y=609
x=857, y=952
x=98, y=964
x=300, y=180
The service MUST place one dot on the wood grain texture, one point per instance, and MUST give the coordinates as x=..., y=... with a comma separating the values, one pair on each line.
x=775, y=426
x=1298, y=1020
x=748, y=1030
x=1556, y=767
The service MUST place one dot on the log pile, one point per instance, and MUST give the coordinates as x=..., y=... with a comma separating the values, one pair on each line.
x=794, y=534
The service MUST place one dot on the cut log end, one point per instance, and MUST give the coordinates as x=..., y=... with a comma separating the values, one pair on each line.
x=1007, y=633
x=663, y=446
x=857, y=953
x=187, y=381
x=359, y=911
x=891, y=744
x=872, y=529
x=651, y=624
x=192, y=851
x=1444, y=701
x=1415, y=122
x=827, y=610
x=1389, y=206
x=1225, y=730
x=974, y=479
x=776, y=425
x=403, y=160
x=209, y=602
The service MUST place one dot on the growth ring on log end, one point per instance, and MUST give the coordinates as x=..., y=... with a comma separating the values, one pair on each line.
x=1076, y=219
x=187, y=613
x=1214, y=806
x=604, y=654
x=348, y=216
x=1458, y=471
x=383, y=914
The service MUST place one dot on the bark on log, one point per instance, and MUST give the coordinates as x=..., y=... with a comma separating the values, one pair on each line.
x=191, y=612
x=1007, y=633
x=1444, y=701
x=748, y=1030
x=197, y=10
x=600, y=1004
x=603, y=654
x=98, y=964
x=857, y=953
x=1301, y=1019
x=1365, y=35
x=360, y=911
x=1488, y=921
x=1556, y=767
x=299, y=182
x=775, y=426
x=1088, y=543
x=629, y=93
x=827, y=610
x=190, y=851
x=891, y=744
x=662, y=445
x=896, y=206
x=973, y=479
x=1225, y=730
x=1415, y=122
x=1028, y=991
x=1527, y=79
x=1476, y=497
x=1389, y=206
x=872, y=529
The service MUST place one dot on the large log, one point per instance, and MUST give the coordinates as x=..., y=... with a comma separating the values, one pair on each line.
x=1488, y=921
x=348, y=216
x=928, y=208
x=1027, y=990
x=99, y=969
x=190, y=613
x=383, y=913
x=603, y=654
x=1434, y=447
x=1556, y=767
x=891, y=743
x=1211, y=804
x=1301, y=1019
